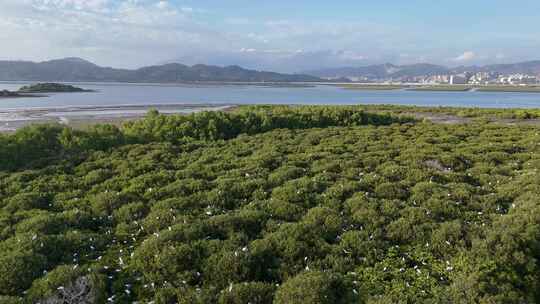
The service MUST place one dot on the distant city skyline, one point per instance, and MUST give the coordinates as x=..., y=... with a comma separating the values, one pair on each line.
x=283, y=36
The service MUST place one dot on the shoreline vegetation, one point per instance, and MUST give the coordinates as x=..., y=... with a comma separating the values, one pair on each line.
x=465, y=112
x=444, y=88
x=282, y=204
x=444, y=115
x=221, y=125
x=9, y=94
x=375, y=87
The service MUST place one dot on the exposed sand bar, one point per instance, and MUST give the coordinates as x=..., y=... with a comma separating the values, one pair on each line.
x=13, y=119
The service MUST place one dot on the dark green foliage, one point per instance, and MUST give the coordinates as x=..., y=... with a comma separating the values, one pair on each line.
x=50, y=88
x=316, y=288
x=68, y=281
x=18, y=269
x=312, y=212
x=36, y=145
x=10, y=300
x=250, y=120
x=252, y=292
x=480, y=113
x=28, y=145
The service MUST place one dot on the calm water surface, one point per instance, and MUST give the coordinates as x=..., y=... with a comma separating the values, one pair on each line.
x=144, y=95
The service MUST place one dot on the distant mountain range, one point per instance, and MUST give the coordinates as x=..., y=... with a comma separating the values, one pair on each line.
x=76, y=69
x=388, y=70
x=527, y=67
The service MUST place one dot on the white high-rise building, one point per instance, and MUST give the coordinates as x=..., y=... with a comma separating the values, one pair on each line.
x=458, y=79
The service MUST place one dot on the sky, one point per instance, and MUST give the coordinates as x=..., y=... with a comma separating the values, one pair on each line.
x=278, y=35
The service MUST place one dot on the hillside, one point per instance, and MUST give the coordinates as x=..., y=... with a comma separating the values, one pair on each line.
x=271, y=205
x=529, y=67
x=381, y=71
x=386, y=71
x=75, y=69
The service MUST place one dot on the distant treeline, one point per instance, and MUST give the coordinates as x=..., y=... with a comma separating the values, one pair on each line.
x=35, y=145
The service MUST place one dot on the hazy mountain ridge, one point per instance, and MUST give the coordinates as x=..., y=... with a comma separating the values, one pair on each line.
x=527, y=67
x=381, y=71
x=423, y=69
x=76, y=69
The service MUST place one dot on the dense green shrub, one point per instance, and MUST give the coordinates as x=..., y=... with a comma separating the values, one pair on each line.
x=68, y=282
x=316, y=288
x=35, y=144
x=252, y=292
x=18, y=269
x=272, y=204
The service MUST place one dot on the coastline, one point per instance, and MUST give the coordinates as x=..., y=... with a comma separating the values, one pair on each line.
x=441, y=88
x=23, y=95
x=81, y=117
x=84, y=117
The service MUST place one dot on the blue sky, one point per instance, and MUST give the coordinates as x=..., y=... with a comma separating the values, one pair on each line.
x=289, y=36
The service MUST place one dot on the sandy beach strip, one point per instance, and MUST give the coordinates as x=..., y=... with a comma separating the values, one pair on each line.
x=79, y=117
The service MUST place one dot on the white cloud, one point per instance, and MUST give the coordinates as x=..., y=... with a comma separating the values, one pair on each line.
x=466, y=56
x=353, y=56
x=118, y=33
x=189, y=10
x=271, y=51
x=247, y=50
x=128, y=33
x=86, y=5
x=162, y=4
x=258, y=38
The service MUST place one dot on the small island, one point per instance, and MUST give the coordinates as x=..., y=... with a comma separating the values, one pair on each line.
x=6, y=93
x=51, y=88
x=38, y=90
x=10, y=94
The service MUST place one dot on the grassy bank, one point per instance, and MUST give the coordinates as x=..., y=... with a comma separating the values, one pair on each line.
x=376, y=87
x=442, y=88
x=480, y=113
x=397, y=110
x=517, y=89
